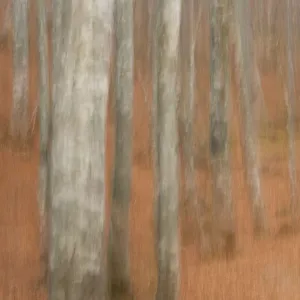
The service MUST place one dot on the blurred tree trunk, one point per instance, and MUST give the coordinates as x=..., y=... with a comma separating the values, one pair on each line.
x=259, y=18
x=81, y=52
x=270, y=35
x=223, y=216
x=248, y=95
x=121, y=193
x=290, y=103
x=19, y=119
x=187, y=100
x=44, y=117
x=167, y=14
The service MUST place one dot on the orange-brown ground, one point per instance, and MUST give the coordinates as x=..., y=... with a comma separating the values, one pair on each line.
x=267, y=268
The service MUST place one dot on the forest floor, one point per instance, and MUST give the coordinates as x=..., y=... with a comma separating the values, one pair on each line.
x=264, y=268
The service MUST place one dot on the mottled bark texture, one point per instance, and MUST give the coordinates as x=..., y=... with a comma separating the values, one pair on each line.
x=166, y=40
x=291, y=107
x=81, y=52
x=44, y=117
x=223, y=217
x=187, y=100
x=19, y=119
x=247, y=76
x=121, y=191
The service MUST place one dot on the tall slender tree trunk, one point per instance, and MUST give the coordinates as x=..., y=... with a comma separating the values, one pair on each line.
x=81, y=52
x=290, y=103
x=121, y=194
x=19, y=119
x=44, y=114
x=247, y=100
x=167, y=14
x=187, y=99
x=223, y=218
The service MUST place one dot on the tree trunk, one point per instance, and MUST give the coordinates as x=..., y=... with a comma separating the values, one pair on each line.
x=166, y=146
x=290, y=103
x=121, y=193
x=247, y=86
x=223, y=218
x=19, y=120
x=81, y=46
x=44, y=114
x=187, y=98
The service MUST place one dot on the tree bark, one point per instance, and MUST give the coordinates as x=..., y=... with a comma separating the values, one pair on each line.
x=19, y=119
x=81, y=52
x=121, y=193
x=167, y=14
x=223, y=218
x=247, y=86
x=187, y=98
x=44, y=116
x=290, y=103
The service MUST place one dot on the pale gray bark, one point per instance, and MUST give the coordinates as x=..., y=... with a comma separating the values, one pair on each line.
x=223, y=217
x=167, y=14
x=81, y=46
x=187, y=98
x=258, y=100
x=247, y=75
x=291, y=105
x=154, y=28
x=121, y=193
x=270, y=37
x=44, y=117
x=19, y=119
x=151, y=4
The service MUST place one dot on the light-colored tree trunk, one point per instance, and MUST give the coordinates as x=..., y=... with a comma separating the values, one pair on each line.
x=187, y=98
x=44, y=117
x=154, y=115
x=223, y=217
x=290, y=103
x=121, y=193
x=247, y=76
x=259, y=17
x=19, y=119
x=81, y=46
x=167, y=18
x=258, y=100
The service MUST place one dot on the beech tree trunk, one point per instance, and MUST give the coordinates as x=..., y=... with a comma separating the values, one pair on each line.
x=187, y=98
x=223, y=217
x=81, y=54
x=44, y=118
x=166, y=40
x=121, y=193
x=244, y=44
x=290, y=103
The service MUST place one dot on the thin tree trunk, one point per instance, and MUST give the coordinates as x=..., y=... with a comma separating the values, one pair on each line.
x=44, y=113
x=223, y=217
x=247, y=85
x=290, y=103
x=80, y=92
x=154, y=118
x=187, y=98
x=121, y=194
x=167, y=14
x=19, y=120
